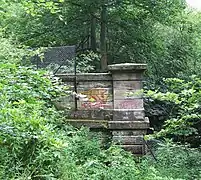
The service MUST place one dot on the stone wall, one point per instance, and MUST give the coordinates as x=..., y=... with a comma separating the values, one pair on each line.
x=111, y=101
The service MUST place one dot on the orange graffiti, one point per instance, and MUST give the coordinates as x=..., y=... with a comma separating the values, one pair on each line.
x=97, y=98
x=96, y=94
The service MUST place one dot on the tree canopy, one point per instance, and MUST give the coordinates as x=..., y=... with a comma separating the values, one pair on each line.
x=155, y=32
x=35, y=141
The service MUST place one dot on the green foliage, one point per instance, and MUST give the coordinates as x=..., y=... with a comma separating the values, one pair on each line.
x=83, y=159
x=10, y=52
x=28, y=137
x=35, y=143
x=88, y=62
x=173, y=162
x=181, y=99
x=137, y=31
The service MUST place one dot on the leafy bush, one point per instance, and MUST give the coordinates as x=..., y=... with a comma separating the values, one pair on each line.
x=179, y=102
x=36, y=144
x=173, y=162
x=88, y=62
x=10, y=51
x=28, y=135
x=84, y=159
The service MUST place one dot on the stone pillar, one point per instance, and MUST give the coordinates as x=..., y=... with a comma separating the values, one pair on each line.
x=129, y=123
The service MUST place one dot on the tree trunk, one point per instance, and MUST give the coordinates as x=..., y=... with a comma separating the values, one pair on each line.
x=103, y=38
x=93, y=33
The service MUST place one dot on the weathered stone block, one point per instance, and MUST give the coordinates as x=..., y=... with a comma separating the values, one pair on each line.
x=128, y=140
x=128, y=76
x=94, y=91
x=127, y=94
x=90, y=114
x=87, y=105
x=128, y=104
x=128, y=125
x=130, y=85
x=136, y=132
x=94, y=84
x=124, y=114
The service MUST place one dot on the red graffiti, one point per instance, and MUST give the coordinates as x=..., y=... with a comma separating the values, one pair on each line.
x=129, y=104
x=94, y=105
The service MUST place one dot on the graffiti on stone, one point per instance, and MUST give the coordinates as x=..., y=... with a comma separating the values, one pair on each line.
x=96, y=98
x=131, y=104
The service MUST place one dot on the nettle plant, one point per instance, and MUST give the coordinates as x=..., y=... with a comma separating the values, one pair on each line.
x=179, y=100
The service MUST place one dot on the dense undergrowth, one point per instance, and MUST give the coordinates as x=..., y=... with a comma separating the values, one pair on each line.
x=176, y=105
x=36, y=144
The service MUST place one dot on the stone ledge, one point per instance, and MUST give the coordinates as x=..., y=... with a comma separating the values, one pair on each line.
x=93, y=124
x=127, y=67
x=95, y=114
x=85, y=77
x=123, y=125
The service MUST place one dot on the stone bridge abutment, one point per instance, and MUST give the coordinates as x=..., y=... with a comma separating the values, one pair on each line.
x=110, y=101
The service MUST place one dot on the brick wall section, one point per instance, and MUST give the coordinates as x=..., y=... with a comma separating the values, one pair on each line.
x=112, y=101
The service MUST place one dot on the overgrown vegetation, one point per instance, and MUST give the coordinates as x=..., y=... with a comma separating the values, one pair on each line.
x=178, y=104
x=35, y=143
x=163, y=33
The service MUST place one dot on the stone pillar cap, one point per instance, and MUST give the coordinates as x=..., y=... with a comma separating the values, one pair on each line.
x=127, y=67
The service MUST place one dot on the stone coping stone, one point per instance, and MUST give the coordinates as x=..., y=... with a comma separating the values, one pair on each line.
x=127, y=67
x=85, y=77
x=96, y=124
